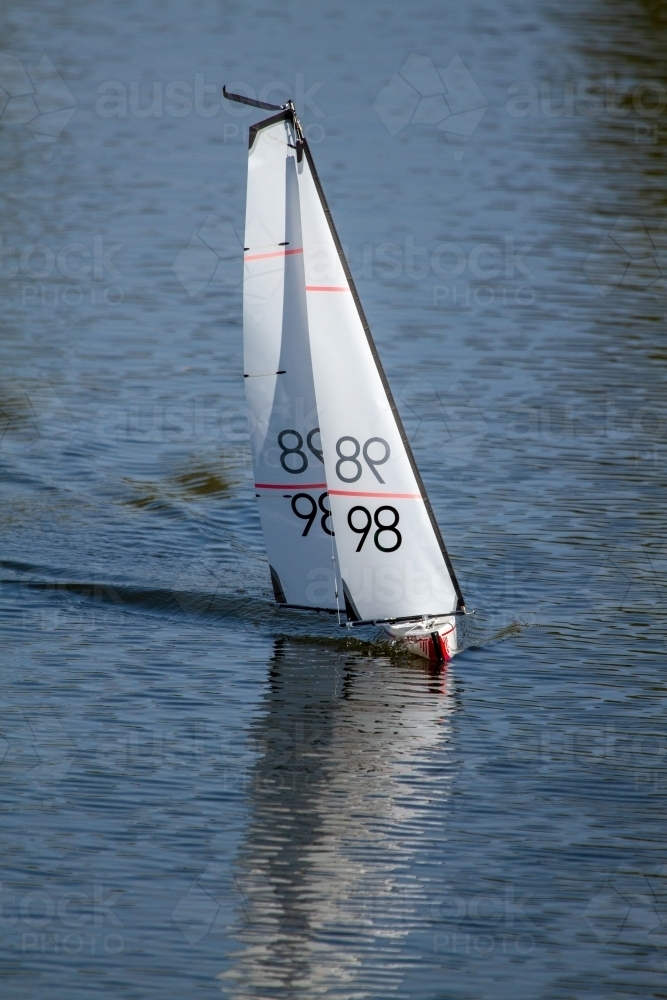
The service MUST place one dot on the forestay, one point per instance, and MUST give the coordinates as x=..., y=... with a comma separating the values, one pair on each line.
x=290, y=481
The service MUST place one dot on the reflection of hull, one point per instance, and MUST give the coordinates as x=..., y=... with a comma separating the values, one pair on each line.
x=340, y=802
x=434, y=639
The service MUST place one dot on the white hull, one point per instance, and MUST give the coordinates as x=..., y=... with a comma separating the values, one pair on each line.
x=434, y=639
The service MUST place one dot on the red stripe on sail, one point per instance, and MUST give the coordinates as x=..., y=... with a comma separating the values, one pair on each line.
x=327, y=288
x=277, y=253
x=389, y=496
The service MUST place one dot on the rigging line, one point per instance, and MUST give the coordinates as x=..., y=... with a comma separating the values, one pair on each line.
x=335, y=568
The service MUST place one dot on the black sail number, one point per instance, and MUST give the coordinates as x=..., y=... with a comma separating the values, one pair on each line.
x=374, y=462
x=326, y=514
x=307, y=511
x=299, y=456
x=293, y=457
x=348, y=466
x=307, y=515
x=352, y=460
x=386, y=537
x=383, y=527
x=317, y=452
x=299, y=463
x=387, y=528
x=360, y=529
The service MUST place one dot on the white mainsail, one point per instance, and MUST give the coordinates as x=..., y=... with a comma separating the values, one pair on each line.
x=290, y=481
x=325, y=428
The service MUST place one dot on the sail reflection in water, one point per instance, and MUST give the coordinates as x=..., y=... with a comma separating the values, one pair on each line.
x=339, y=807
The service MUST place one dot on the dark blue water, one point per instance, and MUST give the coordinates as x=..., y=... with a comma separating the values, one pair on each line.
x=202, y=795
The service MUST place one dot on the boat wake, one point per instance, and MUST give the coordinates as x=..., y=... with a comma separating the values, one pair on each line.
x=214, y=607
x=231, y=610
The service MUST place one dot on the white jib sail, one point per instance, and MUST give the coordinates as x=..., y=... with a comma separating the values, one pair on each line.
x=392, y=560
x=290, y=480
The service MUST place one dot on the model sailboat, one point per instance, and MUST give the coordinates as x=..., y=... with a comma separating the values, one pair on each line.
x=346, y=520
